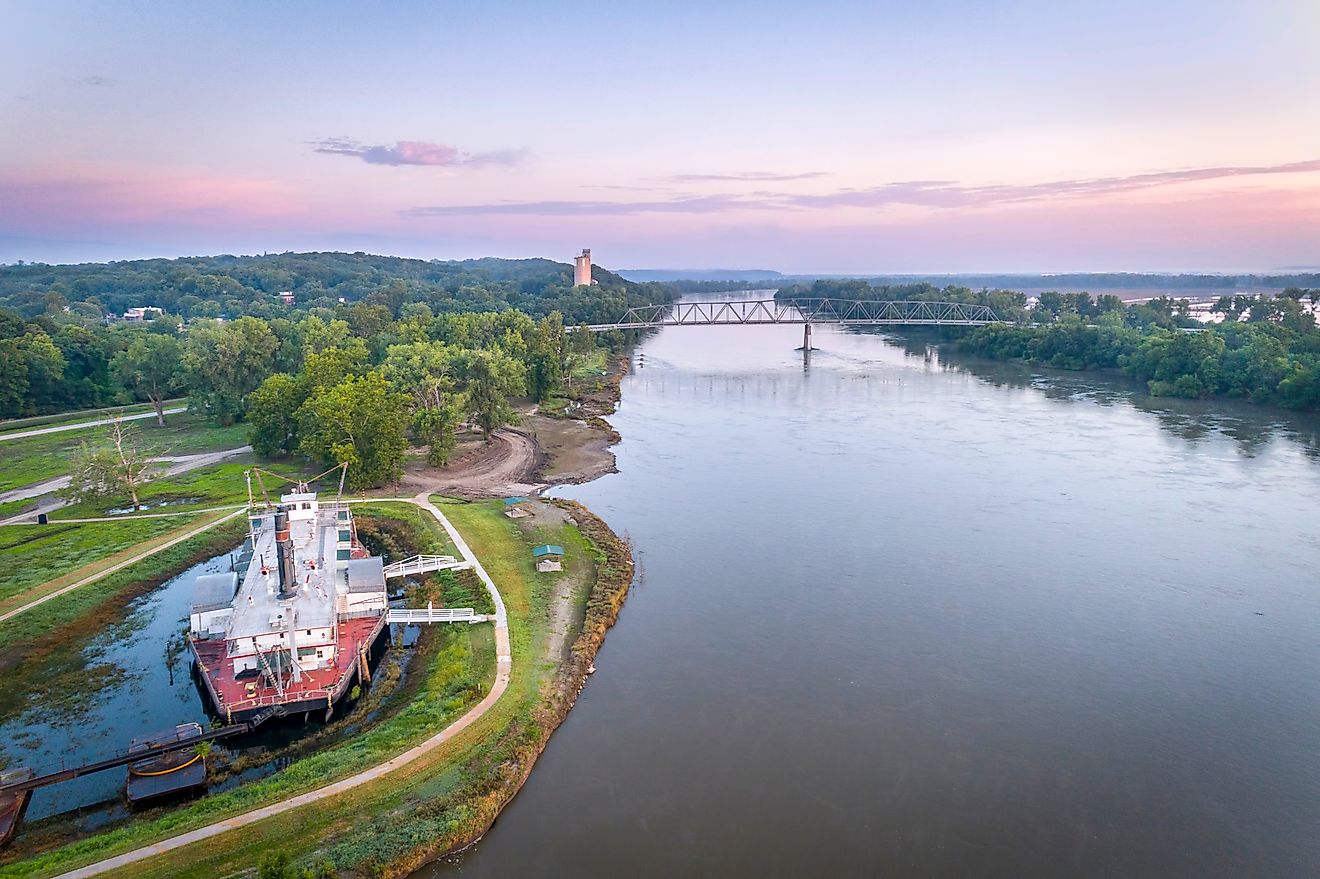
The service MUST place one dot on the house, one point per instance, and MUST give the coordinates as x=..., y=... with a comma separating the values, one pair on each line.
x=548, y=558
x=286, y=296
x=513, y=508
x=145, y=312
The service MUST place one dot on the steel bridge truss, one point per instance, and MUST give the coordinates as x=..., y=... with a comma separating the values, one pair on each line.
x=857, y=312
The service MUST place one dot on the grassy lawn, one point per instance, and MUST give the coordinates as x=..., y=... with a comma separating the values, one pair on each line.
x=442, y=792
x=37, y=421
x=62, y=553
x=425, y=532
x=220, y=484
x=38, y=458
x=587, y=366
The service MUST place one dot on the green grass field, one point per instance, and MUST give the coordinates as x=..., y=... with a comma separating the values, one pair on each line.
x=38, y=458
x=36, y=554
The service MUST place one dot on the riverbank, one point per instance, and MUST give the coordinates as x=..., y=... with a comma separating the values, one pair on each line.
x=564, y=441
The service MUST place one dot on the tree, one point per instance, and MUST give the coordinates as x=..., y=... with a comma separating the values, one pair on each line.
x=151, y=366
x=45, y=371
x=119, y=469
x=359, y=421
x=488, y=379
x=226, y=362
x=272, y=415
x=424, y=372
x=13, y=378
x=545, y=373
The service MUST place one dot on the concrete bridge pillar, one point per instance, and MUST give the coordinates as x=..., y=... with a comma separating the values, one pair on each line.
x=806, y=338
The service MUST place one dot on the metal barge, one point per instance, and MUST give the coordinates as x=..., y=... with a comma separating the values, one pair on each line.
x=162, y=773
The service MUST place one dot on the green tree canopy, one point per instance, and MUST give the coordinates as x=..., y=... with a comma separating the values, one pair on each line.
x=151, y=367
x=358, y=421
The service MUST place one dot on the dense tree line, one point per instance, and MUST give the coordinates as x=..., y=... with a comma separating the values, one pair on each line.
x=1267, y=350
x=1007, y=304
x=61, y=347
x=232, y=286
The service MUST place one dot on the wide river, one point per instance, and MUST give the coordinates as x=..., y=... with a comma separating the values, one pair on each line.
x=901, y=614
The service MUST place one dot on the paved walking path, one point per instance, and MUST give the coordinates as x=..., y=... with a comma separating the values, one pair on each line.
x=504, y=666
x=178, y=464
x=120, y=565
x=19, y=434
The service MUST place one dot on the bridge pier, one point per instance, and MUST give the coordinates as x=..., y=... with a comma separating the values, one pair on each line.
x=806, y=338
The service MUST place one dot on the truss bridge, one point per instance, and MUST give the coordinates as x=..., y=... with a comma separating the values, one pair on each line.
x=850, y=312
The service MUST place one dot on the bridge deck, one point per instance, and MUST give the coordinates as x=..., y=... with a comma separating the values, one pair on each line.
x=423, y=564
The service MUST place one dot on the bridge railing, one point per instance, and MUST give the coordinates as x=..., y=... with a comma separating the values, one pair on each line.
x=422, y=564
x=410, y=615
x=804, y=311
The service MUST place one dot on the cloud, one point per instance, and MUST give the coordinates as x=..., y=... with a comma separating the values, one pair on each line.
x=918, y=193
x=694, y=205
x=947, y=194
x=745, y=176
x=414, y=152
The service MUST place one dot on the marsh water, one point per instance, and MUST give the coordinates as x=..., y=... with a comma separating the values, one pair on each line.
x=130, y=680
x=905, y=614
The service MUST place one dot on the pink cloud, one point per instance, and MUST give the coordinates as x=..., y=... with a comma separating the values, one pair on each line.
x=909, y=193
x=414, y=152
x=97, y=198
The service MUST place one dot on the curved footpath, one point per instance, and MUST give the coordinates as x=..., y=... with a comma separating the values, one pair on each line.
x=119, y=566
x=503, y=668
x=19, y=434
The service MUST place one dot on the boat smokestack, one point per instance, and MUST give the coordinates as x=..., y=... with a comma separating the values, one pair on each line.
x=284, y=549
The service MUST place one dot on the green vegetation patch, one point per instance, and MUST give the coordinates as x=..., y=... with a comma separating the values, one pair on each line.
x=391, y=530
x=38, y=458
x=35, y=554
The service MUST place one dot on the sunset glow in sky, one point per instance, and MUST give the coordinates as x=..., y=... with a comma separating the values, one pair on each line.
x=945, y=136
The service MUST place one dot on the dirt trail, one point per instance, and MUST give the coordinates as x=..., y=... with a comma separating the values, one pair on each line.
x=505, y=466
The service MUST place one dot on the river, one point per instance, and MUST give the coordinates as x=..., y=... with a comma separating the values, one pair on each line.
x=905, y=615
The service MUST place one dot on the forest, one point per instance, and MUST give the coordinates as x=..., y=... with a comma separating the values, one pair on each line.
x=63, y=346
x=233, y=286
x=1265, y=350
x=374, y=354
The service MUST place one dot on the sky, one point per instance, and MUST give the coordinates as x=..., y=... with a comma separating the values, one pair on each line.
x=886, y=137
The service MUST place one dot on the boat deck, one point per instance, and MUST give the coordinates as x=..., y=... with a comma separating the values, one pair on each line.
x=322, y=686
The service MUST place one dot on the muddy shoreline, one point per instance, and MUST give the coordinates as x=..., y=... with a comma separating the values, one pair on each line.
x=614, y=576
x=544, y=449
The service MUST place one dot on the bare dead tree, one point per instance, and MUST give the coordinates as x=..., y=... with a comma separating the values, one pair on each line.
x=121, y=468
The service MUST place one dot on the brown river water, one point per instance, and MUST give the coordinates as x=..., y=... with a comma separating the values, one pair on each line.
x=904, y=614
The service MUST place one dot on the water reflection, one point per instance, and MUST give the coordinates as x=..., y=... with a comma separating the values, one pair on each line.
x=1249, y=426
x=913, y=614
